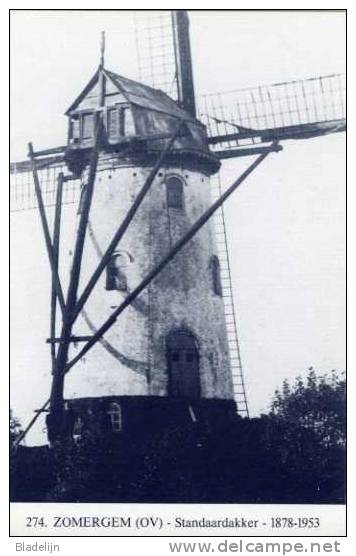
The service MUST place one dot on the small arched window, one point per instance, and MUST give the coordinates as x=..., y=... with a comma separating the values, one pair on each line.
x=215, y=275
x=174, y=187
x=116, y=277
x=115, y=415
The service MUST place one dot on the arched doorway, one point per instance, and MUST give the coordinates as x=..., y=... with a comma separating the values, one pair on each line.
x=183, y=364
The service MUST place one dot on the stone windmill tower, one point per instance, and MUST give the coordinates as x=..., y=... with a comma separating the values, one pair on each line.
x=168, y=351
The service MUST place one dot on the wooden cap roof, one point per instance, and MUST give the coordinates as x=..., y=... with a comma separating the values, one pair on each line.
x=136, y=93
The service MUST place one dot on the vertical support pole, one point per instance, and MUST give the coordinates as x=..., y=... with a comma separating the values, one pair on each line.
x=56, y=417
x=183, y=57
x=55, y=251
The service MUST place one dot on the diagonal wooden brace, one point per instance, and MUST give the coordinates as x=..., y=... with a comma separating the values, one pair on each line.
x=45, y=227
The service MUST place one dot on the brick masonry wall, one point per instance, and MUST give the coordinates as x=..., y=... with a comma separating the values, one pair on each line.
x=131, y=359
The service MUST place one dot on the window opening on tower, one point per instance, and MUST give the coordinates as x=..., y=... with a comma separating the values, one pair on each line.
x=78, y=428
x=120, y=122
x=87, y=126
x=113, y=122
x=75, y=129
x=116, y=277
x=174, y=187
x=115, y=414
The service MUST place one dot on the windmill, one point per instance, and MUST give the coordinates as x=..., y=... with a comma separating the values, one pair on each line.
x=245, y=123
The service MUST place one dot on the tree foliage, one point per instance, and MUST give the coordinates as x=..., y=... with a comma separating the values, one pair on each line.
x=305, y=435
x=15, y=428
x=316, y=404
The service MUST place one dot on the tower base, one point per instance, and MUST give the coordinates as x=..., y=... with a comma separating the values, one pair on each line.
x=138, y=415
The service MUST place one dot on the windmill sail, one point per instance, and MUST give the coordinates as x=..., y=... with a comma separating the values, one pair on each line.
x=155, y=50
x=297, y=109
x=239, y=122
x=22, y=191
x=290, y=110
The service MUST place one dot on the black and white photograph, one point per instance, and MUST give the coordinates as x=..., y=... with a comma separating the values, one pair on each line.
x=178, y=271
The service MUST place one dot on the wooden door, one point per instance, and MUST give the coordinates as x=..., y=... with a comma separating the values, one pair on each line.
x=183, y=365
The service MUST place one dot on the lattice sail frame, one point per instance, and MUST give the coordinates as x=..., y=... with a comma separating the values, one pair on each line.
x=22, y=191
x=155, y=50
x=289, y=110
x=294, y=109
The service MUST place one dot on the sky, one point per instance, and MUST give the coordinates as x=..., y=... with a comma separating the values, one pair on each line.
x=285, y=224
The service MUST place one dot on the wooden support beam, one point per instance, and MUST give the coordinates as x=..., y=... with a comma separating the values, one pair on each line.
x=183, y=59
x=71, y=339
x=55, y=249
x=58, y=375
x=250, y=151
x=56, y=398
x=53, y=150
x=26, y=166
x=300, y=131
